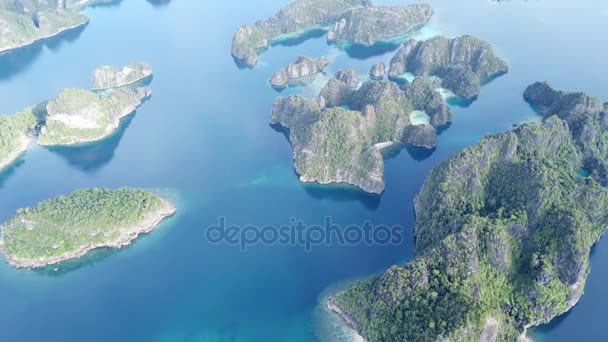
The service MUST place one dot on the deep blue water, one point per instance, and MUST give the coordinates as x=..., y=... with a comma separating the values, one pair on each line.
x=204, y=137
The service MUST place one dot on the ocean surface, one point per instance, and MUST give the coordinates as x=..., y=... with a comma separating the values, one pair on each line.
x=204, y=139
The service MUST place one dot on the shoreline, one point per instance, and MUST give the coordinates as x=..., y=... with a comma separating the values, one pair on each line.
x=11, y=158
x=347, y=321
x=110, y=129
x=95, y=89
x=149, y=223
x=43, y=38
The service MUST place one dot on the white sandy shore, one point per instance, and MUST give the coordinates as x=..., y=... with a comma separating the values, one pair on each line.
x=348, y=323
x=129, y=234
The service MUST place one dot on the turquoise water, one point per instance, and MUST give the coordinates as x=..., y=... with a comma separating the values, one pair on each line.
x=204, y=138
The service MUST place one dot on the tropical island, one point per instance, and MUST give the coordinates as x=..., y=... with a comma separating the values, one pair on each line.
x=504, y=230
x=354, y=21
x=25, y=22
x=463, y=63
x=80, y=116
x=71, y=226
x=108, y=77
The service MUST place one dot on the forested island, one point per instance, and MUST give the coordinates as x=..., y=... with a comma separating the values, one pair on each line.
x=75, y=116
x=69, y=227
x=79, y=116
x=504, y=230
x=25, y=22
x=354, y=21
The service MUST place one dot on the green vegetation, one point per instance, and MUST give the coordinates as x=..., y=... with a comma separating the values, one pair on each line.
x=13, y=132
x=338, y=144
x=334, y=144
x=65, y=225
x=24, y=22
x=78, y=115
x=504, y=230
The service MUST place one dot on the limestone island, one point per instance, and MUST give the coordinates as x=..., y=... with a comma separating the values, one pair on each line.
x=16, y=132
x=80, y=116
x=463, y=63
x=24, y=22
x=301, y=69
x=337, y=138
x=69, y=227
x=364, y=23
x=108, y=77
x=504, y=230
x=76, y=116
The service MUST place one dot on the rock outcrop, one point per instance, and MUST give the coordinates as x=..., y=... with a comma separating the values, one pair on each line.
x=355, y=21
x=107, y=77
x=79, y=116
x=301, y=68
x=369, y=24
x=337, y=137
x=463, y=63
x=349, y=77
x=420, y=136
x=377, y=71
x=504, y=230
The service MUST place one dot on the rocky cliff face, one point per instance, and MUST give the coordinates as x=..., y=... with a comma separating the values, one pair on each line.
x=463, y=63
x=377, y=71
x=107, y=77
x=370, y=24
x=302, y=67
x=336, y=138
x=588, y=120
x=356, y=21
x=78, y=116
x=503, y=234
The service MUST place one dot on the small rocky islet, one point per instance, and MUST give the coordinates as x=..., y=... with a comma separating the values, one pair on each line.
x=108, y=77
x=301, y=69
x=353, y=21
x=504, y=230
x=75, y=116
